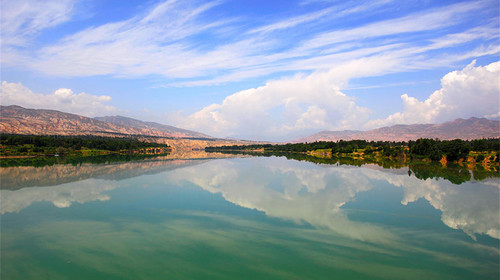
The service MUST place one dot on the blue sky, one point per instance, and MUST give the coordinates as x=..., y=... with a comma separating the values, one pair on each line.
x=261, y=70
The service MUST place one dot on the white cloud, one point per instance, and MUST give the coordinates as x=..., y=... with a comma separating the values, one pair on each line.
x=413, y=23
x=291, y=22
x=62, y=99
x=22, y=20
x=289, y=107
x=164, y=41
x=158, y=42
x=473, y=91
x=302, y=104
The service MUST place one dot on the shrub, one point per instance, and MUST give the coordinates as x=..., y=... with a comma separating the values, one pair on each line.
x=479, y=158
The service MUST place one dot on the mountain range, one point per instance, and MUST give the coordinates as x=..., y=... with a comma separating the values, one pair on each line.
x=153, y=127
x=18, y=120
x=472, y=128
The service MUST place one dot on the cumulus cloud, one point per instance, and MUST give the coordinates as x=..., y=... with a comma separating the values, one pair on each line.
x=295, y=106
x=279, y=108
x=63, y=99
x=472, y=91
x=290, y=107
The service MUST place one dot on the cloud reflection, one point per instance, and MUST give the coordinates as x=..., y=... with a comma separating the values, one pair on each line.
x=65, y=184
x=315, y=194
x=61, y=196
x=287, y=189
x=290, y=190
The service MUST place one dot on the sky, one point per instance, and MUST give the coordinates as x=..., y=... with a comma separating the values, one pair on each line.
x=257, y=70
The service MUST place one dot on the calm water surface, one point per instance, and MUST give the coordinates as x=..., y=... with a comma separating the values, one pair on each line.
x=244, y=218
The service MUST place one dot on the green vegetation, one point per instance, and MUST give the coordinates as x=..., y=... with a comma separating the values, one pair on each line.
x=455, y=173
x=426, y=158
x=430, y=149
x=340, y=147
x=36, y=145
x=73, y=160
x=418, y=155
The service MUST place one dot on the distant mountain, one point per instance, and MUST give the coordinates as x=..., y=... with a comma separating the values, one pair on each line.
x=473, y=128
x=327, y=135
x=152, y=126
x=19, y=120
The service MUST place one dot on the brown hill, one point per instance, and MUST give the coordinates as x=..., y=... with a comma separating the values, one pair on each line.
x=473, y=128
x=19, y=120
x=152, y=126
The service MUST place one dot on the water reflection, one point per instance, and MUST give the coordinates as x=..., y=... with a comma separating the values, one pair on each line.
x=315, y=194
x=286, y=189
x=27, y=176
x=115, y=167
x=472, y=207
x=61, y=196
x=64, y=184
x=162, y=218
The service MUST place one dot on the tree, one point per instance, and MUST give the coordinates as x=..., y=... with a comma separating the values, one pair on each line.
x=455, y=149
x=61, y=150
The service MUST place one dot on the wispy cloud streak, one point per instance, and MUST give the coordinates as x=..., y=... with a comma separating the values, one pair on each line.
x=165, y=41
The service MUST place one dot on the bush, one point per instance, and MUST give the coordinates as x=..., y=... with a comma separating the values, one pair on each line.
x=61, y=150
x=479, y=158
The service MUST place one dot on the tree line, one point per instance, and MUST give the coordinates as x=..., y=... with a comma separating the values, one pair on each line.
x=457, y=174
x=433, y=149
x=73, y=160
x=20, y=144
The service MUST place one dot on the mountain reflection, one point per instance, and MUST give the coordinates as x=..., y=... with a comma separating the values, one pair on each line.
x=31, y=176
x=64, y=184
x=27, y=176
x=286, y=189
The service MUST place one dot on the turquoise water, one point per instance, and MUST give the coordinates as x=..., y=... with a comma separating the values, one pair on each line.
x=244, y=218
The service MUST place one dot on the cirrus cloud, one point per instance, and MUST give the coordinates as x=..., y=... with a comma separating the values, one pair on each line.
x=191, y=44
x=21, y=20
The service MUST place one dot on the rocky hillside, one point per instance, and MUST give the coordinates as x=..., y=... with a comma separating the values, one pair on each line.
x=152, y=126
x=473, y=128
x=19, y=120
